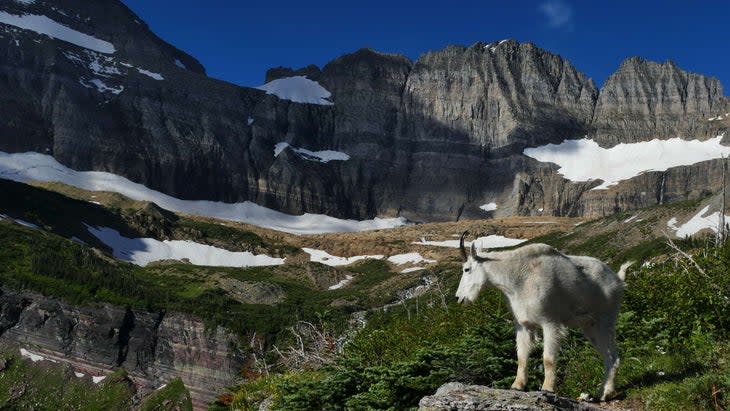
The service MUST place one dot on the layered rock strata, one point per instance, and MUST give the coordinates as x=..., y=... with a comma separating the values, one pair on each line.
x=154, y=347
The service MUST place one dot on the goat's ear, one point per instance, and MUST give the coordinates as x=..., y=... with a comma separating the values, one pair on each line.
x=474, y=254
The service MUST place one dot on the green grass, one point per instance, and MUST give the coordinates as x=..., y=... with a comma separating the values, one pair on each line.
x=174, y=396
x=47, y=386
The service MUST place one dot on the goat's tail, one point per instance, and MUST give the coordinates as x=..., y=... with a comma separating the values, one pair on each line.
x=624, y=267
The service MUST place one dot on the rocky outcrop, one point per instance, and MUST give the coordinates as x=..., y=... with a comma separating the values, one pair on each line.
x=154, y=347
x=645, y=100
x=495, y=96
x=252, y=292
x=429, y=140
x=456, y=396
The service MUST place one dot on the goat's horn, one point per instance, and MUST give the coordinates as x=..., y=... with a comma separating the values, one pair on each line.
x=461, y=246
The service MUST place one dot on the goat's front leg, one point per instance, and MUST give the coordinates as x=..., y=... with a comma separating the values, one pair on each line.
x=551, y=335
x=603, y=336
x=525, y=338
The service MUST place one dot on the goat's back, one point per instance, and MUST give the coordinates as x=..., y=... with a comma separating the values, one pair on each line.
x=561, y=288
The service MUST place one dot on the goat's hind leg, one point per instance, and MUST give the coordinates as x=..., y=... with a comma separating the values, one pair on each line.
x=551, y=335
x=525, y=341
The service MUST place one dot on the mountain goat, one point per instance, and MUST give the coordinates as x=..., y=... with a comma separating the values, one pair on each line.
x=549, y=290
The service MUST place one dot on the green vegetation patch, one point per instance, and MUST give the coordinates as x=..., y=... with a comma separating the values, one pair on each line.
x=673, y=335
x=47, y=386
x=173, y=397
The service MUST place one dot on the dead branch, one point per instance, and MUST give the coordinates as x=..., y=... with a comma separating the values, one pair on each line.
x=671, y=244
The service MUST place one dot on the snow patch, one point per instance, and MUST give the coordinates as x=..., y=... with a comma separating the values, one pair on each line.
x=24, y=167
x=249, y=121
x=323, y=257
x=142, y=251
x=26, y=2
x=490, y=241
x=56, y=9
x=27, y=224
x=51, y=28
x=98, y=379
x=672, y=223
x=102, y=65
x=630, y=219
x=79, y=374
x=697, y=223
x=324, y=156
x=100, y=86
x=342, y=283
x=412, y=269
x=299, y=89
x=585, y=160
x=488, y=206
x=156, y=76
x=33, y=357
x=413, y=258
x=180, y=64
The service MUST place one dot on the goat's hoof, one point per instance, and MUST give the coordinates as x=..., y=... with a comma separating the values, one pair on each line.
x=517, y=387
x=607, y=396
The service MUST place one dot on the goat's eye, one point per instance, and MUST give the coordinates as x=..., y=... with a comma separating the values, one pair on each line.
x=466, y=270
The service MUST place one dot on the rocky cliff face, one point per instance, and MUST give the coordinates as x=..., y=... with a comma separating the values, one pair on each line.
x=645, y=100
x=154, y=347
x=430, y=140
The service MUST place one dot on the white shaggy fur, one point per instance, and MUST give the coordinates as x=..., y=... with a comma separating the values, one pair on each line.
x=552, y=291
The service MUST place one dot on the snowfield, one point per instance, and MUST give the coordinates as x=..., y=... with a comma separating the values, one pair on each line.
x=488, y=206
x=323, y=257
x=326, y=258
x=413, y=258
x=142, y=251
x=700, y=221
x=299, y=89
x=490, y=241
x=324, y=156
x=51, y=28
x=24, y=167
x=585, y=160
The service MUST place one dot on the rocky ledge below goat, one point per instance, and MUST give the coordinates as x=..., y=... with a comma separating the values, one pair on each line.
x=455, y=396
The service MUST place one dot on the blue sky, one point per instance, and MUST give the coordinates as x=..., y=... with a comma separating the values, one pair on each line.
x=238, y=40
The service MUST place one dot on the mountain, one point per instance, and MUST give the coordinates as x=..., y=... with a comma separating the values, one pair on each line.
x=433, y=139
